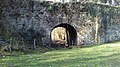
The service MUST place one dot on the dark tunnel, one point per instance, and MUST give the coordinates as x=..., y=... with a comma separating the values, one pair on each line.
x=71, y=36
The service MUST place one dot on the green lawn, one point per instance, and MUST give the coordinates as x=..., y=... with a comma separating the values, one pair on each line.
x=106, y=55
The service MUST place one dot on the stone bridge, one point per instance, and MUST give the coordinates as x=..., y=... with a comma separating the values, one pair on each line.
x=78, y=23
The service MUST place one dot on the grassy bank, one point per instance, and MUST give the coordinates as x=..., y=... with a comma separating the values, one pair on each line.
x=106, y=55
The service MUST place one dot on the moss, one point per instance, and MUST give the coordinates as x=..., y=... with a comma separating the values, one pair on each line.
x=50, y=8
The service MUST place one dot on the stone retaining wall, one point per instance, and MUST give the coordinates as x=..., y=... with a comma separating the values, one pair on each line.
x=94, y=23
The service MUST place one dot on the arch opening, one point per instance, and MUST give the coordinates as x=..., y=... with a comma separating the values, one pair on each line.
x=63, y=35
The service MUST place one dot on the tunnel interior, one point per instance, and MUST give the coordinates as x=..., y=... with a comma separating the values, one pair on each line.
x=67, y=36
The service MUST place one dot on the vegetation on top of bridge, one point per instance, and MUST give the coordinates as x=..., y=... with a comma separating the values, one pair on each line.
x=85, y=6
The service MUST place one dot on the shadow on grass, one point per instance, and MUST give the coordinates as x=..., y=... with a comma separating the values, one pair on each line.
x=42, y=50
x=99, y=60
x=62, y=59
x=81, y=61
x=39, y=50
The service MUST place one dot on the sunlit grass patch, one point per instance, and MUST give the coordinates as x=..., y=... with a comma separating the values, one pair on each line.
x=106, y=55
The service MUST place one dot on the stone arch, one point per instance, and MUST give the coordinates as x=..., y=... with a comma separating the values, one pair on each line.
x=64, y=35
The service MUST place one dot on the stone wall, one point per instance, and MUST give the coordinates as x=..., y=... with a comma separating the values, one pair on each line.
x=108, y=21
x=94, y=23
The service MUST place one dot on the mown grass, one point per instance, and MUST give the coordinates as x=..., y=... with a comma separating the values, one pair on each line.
x=106, y=55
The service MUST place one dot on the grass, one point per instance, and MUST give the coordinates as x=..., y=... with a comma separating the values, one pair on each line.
x=106, y=55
